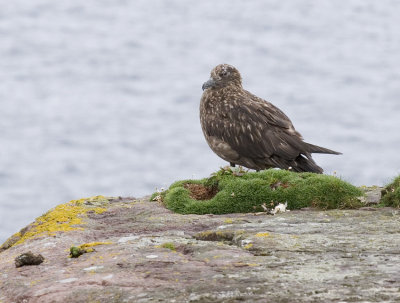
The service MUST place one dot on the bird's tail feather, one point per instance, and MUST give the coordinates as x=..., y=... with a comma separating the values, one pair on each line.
x=304, y=164
x=322, y=150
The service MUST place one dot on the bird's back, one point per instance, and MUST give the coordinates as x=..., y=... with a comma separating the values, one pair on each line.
x=246, y=130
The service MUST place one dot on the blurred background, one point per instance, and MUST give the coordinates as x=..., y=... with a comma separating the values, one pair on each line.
x=102, y=97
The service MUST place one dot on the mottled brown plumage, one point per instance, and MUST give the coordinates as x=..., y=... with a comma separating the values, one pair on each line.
x=249, y=131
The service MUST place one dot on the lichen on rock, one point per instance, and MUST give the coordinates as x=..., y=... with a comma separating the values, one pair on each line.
x=157, y=255
x=64, y=217
x=211, y=235
x=76, y=251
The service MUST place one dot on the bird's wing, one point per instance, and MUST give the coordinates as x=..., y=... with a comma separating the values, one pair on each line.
x=255, y=128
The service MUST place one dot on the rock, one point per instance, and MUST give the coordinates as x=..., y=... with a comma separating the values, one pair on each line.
x=373, y=195
x=28, y=258
x=146, y=253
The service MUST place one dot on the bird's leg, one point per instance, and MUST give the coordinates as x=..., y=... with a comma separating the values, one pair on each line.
x=232, y=164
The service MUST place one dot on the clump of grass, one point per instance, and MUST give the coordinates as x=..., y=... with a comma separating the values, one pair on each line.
x=169, y=245
x=391, y=194
x=237, y=191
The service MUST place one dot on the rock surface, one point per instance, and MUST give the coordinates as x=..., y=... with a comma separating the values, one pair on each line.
x=145, y=253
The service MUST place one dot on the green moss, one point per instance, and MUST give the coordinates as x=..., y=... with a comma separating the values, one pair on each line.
x=391, y=194
x=239, y=191
x=76, y=251
x=169, y=245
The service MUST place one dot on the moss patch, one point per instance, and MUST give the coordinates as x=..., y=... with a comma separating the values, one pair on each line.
x=391, y=194
x=76, y=251
x=169, y=245
x=228, y=191
x=64, y=217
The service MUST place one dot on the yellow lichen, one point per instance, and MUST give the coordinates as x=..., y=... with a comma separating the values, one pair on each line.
x=34, y=282
x=76, y=251
x=263, y=235
x=248, y=246
x=64, y=217
x=228, y=221
x=87, y=245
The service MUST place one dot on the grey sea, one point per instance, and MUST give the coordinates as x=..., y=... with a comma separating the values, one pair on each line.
x=102, y=97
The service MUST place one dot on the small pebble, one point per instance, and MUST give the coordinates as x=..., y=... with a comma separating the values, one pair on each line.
x=151, y=256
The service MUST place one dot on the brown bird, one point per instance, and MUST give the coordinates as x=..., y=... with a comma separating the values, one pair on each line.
x=244, y=129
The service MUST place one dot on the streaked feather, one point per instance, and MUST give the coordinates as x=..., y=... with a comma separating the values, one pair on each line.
x=244, y=129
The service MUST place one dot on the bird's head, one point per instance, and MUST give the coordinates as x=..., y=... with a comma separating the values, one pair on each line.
x=223, y=75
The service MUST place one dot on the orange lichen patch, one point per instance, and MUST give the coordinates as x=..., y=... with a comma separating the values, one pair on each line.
x=64, y=217
x=201, y=192
x=87, y=245
x=259, y=235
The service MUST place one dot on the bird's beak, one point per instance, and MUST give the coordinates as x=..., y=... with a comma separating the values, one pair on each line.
x=209, y=83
